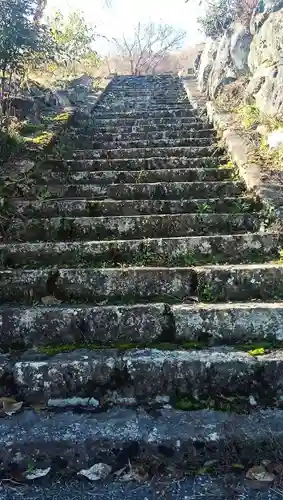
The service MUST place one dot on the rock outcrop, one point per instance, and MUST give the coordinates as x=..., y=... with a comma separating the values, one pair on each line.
x=254, y=52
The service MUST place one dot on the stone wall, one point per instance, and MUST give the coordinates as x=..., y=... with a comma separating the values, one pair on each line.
x=254, y=52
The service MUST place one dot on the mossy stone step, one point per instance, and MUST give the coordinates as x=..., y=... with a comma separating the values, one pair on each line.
x=144, y=374
x=186, y=251
x=159, y=128
x=187, y=324
x=162, y=439
x=140, y=105
x=155, y=135
x=109, y=154
x=148, y=113
x=240, y=282
x=135, y=176
x=130, y=227
x=147, y=143
x=102, y=208
x=97, y=286
x=99, y=122
x=140, y=191
x=127, y=285
x=131, y=164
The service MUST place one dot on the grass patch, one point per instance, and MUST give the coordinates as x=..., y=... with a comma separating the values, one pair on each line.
x=249, y=115
x=42, y=139
x=31, y=128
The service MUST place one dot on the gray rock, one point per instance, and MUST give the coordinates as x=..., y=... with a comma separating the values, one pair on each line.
x=265, y=63
x=224, y=61
x=239, y=47
x=206, y=63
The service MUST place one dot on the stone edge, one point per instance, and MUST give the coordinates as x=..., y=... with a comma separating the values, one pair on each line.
x=240, y=151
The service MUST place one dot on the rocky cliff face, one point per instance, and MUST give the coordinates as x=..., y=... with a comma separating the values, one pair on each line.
x=254, y=51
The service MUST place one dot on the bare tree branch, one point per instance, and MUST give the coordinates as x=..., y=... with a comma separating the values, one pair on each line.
x=148, y=45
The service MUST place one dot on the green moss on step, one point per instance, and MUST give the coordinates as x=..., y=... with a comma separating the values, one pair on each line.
x=165, y=346
x=225, y=404
x=267, y=345
x=206, y=293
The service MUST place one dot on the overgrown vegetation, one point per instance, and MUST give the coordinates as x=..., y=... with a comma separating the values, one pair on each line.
x=32, y=49
x=220, y=14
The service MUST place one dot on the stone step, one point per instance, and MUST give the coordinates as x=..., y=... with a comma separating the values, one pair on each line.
x=143, y=375
x=162, y=439
x=221, y=283
x=186, y=251
x=147, y=143
x=176, y=251
x=154, y=135
x=140, y=191
x=146, y=113
x=84, y=207
x=139, y=105
x=130, y=227
x=141, y=324
x=136, y=101
x=177, y=486
x=240, y=282
x=116, y=121
x=97, y=286
x=179, y=152
x=130, y=164
x=135, y=176
x=159, y=128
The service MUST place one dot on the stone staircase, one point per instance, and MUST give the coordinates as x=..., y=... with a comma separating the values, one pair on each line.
x=131, y=292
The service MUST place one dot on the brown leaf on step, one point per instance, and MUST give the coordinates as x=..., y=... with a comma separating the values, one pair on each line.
x=50, y=300
x=261, y=474
x=9, y=406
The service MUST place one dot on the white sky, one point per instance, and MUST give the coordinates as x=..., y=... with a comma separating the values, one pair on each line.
x=125, y=14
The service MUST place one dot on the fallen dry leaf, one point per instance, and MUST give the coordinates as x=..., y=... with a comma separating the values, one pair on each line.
x=50, y=300
x=9, y=406
x=96, y=472
x=259, y=473
x=36, y=473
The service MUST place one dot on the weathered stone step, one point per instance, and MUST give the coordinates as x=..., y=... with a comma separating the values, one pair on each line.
x=130, y=227
x=212, y=283
x=147, y=143
x=168, y=128
x=83, y=207
x=177, y=487
x=154, y=135
x=97, y=285
x=135, y=176
x=148, y=113
x=240, y=282
x=159, y=439
x=117, y=122
x=140, y=191
x=186, y=251
x=139, y=164
x=140, y=106
x=137, y=101
x=140, y=375
x=179, y=152
x=211, y=324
